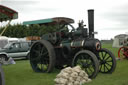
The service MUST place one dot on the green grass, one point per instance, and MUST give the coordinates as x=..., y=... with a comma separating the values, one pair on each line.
x=113, y=50
x=119, y=77
x=22, y=74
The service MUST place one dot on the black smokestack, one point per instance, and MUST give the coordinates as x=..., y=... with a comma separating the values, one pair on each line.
x=91, y=23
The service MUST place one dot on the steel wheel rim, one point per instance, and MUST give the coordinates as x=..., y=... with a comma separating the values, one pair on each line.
x=39, y=57
x=86, y=63
x=122, y=53
x=106, y=62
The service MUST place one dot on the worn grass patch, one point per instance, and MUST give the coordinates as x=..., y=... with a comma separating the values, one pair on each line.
x=22, y=74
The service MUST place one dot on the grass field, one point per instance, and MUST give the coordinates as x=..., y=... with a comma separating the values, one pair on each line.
x=22, y=74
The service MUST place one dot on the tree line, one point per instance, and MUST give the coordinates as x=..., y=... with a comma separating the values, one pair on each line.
x=20, y=31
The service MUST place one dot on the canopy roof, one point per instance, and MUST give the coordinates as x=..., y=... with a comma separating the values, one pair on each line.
x=7, y=13
x=50, y=21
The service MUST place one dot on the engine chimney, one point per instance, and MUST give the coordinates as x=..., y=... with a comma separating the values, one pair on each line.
x=91, y=23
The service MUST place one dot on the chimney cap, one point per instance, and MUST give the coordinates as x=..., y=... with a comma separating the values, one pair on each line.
x=90, y=9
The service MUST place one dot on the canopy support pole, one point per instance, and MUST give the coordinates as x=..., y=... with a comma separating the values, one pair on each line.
x=5, y=28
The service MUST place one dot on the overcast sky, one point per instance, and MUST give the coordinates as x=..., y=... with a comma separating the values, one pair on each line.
x=111, y=16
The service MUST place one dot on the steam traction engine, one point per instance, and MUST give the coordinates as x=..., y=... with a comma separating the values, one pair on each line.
x=70, y=47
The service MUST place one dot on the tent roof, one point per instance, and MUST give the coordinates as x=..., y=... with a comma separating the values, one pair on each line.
x=121, y=36
x=50, y=21
x=7, y=13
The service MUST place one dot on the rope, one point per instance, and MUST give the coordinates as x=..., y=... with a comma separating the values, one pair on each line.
x=5, y=28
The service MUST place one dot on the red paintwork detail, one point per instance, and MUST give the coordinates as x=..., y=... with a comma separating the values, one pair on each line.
x=7, y=11
x=1, y=6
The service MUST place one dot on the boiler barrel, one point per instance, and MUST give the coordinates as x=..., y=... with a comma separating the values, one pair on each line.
x=90, y=44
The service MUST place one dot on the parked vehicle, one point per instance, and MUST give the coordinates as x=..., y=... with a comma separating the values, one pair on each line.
x=15, y=50
x=5, y=40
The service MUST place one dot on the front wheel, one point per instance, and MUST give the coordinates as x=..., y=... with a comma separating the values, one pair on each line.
x=88, y=62
x=107, y=61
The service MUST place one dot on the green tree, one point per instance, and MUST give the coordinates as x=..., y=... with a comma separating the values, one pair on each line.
x=20, y=31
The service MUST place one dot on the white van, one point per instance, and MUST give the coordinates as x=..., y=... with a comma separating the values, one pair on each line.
x=5, y=40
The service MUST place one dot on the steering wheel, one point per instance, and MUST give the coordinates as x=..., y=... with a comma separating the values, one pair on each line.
x=62, y=28
x=73, y=29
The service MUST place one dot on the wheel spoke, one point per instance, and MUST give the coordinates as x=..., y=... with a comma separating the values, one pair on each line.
x=87, y=71
x=122, y=50
x=109, y=61
x=106, y=67
x=41, y=66
x=86, y=61
x=104, y=55
x=34, y=59
x=79, y=62
x=39, y=46
x=91, y=63
x=34, y=51
x=100, y=67
x=109, y=64
x=122, y=53
x=107, y=58
x=45, y=53
x=44, y=67
x=90, y=70
x=82, y=56
x=41, y=50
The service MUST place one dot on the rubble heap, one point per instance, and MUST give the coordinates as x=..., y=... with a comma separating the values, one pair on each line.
x=72, y=76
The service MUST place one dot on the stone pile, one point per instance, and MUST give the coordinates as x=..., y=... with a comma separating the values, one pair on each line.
x=72, y=76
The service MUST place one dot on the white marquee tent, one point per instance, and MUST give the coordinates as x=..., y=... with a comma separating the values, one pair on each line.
x=120, y=40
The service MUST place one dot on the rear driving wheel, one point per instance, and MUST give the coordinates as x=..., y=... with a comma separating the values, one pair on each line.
x=107, y=61
x=42, y=56
x=88, y=62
